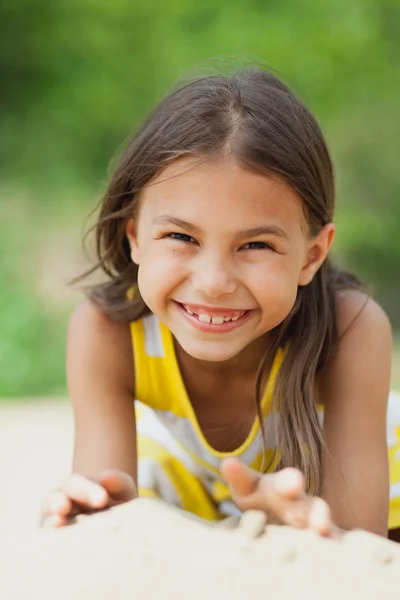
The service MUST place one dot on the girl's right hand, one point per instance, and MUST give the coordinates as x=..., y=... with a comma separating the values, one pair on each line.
x=81, y=495
x=280, y=495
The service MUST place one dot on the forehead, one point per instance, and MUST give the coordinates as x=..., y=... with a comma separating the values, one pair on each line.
x=199, y=189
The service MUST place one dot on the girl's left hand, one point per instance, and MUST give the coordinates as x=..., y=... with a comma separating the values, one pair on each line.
x=280, y=495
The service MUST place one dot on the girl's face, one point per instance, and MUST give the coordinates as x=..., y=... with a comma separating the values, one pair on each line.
x=221, y=252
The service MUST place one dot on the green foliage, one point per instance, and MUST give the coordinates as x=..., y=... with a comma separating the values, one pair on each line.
x=32, y=338
x=31, y=346
x=80, y=75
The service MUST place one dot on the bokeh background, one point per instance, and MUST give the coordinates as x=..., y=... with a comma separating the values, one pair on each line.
x=77, y=77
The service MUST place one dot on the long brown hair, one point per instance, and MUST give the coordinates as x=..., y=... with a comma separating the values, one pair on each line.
x=253, y=116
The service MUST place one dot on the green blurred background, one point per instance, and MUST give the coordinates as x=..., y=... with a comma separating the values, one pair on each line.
x=78, y=76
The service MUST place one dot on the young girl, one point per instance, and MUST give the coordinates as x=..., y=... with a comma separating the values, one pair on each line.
x=260, y=372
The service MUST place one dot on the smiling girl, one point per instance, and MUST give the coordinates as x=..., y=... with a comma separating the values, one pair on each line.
x=259, y=372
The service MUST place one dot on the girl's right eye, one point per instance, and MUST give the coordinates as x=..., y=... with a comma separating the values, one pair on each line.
x=181, y=237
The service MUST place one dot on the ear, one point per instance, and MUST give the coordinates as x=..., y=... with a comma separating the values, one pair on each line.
x=131, y=234
x=318, y=249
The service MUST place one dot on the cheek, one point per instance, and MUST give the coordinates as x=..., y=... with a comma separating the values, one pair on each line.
x=166, y=264
x=276, y=292
x=159, y=273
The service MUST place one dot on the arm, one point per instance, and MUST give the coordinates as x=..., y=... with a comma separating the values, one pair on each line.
x=100, y=383
x=355, y=388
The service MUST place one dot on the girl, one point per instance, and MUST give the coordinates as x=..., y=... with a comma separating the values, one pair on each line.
x=260, y=372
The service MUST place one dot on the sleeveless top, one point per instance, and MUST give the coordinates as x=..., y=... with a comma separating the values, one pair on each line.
x=166, y=419
x=175, y=461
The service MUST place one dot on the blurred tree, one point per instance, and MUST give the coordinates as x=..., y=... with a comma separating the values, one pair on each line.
x=79, y=75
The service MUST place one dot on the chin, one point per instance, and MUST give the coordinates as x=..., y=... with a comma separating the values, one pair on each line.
x=209, y=352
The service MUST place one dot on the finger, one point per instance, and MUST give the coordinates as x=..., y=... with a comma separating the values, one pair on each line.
x=289, y=483
x=83, y=491
x=242, y=480
x=54, y=521
x=282, y=495
x=282, y=492
x=294, y=513
x=275, y=494
x=306, y=512
x=56, y=502
x=119, y=485
x=319, y=517
x=336, y=533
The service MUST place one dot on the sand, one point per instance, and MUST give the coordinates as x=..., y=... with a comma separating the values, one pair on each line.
x=148, y=550
x=36, y=438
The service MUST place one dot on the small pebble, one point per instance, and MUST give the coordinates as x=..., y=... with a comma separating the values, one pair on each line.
x=383, y=555
x=253, y=523
x=288, y=555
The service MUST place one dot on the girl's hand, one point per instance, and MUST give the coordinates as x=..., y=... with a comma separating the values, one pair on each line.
x=80, y=495
x=280, y=495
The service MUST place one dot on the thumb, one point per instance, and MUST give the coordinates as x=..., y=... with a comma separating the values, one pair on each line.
x=242, y=480
x=119, y=485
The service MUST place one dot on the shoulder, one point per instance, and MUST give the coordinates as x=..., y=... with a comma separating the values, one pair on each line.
x=363, y=352
x=100, y=343
x=358, y=314
x=87, y=313
x=363, y=329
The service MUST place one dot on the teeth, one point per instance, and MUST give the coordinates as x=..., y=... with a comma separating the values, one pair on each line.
x=205, y=318
x=217, y=320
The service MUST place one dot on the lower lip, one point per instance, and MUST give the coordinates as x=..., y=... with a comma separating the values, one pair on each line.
x=224, y=327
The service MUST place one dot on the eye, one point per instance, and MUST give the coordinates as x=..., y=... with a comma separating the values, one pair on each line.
x=258, y=246
x=181, y=237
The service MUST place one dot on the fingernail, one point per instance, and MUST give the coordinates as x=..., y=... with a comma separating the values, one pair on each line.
x=283, y=483
x=288, y=480
x=319, y=518
x=280, y=485
x=98, y=498
x=53, y=521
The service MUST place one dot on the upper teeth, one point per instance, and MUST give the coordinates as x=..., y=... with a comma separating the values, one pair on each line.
x=204, y=318
x=214, y=320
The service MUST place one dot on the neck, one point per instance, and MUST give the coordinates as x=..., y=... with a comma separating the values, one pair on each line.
x=244, y=364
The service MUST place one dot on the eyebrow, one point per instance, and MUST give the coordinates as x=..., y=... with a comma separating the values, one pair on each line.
x=254, y=232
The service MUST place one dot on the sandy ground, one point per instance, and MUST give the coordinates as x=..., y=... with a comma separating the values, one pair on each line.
x=36, y=440
x=145, y=549
x=148, y=550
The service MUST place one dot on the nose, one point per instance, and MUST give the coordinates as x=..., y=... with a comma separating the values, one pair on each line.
x=213, y=275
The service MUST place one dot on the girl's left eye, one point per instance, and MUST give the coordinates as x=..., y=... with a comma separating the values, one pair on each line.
x=181, y=237
x=258, y=246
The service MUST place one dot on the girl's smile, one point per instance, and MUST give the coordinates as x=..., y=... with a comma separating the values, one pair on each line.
x=214, y=320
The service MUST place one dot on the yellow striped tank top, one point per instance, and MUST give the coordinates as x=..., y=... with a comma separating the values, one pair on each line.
x=175, y=461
